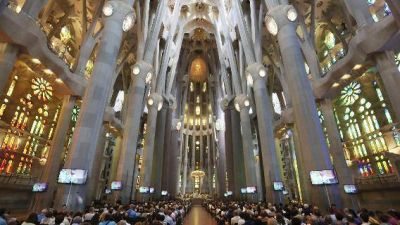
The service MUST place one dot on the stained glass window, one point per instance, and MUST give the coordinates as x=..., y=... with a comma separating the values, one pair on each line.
x=330, y=40
x=42, y=89
x=75, y=113
x=119, y=101
x=276, y=103
x=350, y=93
x=397, y=59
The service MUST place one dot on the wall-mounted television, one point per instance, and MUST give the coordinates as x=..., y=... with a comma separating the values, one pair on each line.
x=278, y=186
x=144, y=190
x=116, y=185
x=251, y=190
x=319, y=177
x=39, y=187
x=229, y=193
x=350, y=189
x=164, y=193
x=243, y=190
x=72, y=176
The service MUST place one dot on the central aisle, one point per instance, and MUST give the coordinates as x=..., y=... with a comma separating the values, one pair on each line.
x=199, y=216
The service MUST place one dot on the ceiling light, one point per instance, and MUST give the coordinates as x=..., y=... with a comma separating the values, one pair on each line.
x=128, y=22
x=48, y=71
x=150, y=101
x=160, y=105
x=197, y=142
x=108, y=9
x=346, y=76
x=262, y=72
x=358, y=66
x=336, y=84
x=292, y=14
x=272, y=26
x=36, y=61
x=58, y=80
x=237, y=107
x=246, y=103
x=136, y=70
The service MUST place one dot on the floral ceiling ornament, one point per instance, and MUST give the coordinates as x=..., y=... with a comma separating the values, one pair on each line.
x=42, y=89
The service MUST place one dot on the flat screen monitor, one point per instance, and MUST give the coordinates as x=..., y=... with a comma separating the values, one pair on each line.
x=350, y=188
x=251, y=190
x=151, y=190
x=278, y=186
x=229, y=193
x=116, y=185
x=39, y=187
x=107, y=191
x=319, y=177
x=144, y=190
x=164, y=193
x=72, y=176
x=243, y=190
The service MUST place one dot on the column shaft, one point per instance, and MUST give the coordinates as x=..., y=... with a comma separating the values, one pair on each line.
x=127, y=159
x=54, y=159
x=8, y=57
x=336, y=150
x=268, y=152
x=391, y=79
x=90, y=122
x=248, y=151
x=313, y=154
x=185, y=151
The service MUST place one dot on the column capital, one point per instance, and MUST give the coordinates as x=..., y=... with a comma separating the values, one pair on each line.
x=255, y=72
x=280, y=16
x=226, y=102
x=120, y=11
x=242, y=102
x=143, y=70
x=155, y=100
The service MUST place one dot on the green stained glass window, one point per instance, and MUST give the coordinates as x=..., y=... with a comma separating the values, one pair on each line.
x=351, y=93
x=75, y=113
x=330, y=40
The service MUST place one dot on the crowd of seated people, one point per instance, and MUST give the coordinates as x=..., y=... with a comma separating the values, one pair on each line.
x=242, y=213
x=151, y=213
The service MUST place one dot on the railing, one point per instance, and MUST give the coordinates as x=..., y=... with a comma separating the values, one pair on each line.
x=387, y=179
x=16, y=179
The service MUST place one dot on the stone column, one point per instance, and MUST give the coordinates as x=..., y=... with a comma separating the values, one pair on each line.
x=229, y=151
x=242, y=104
x=394, y=6
x=201, y=166
x=256, y=74
x=185, y=163
x=8, y=57
x=154, y=104
x=313, y=154
x=345, y=175
x=54, y=159
x=159, y=154
x=239, y=171
x=90, y=122
x=360, y=11
x=33, y=7
x=174, y=162
x=141, y=73
x=390, y=75
x=209, y=165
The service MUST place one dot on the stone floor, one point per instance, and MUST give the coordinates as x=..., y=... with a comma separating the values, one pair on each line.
x=199, y=216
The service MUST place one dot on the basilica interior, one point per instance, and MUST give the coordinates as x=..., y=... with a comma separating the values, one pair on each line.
x=245, y=100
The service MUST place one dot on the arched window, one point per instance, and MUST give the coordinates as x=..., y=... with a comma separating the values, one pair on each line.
x=357, y=115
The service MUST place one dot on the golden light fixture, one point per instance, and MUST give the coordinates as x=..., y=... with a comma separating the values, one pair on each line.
x=198, y=70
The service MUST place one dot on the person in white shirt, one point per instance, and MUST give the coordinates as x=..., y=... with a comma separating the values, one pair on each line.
x=235, y=219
